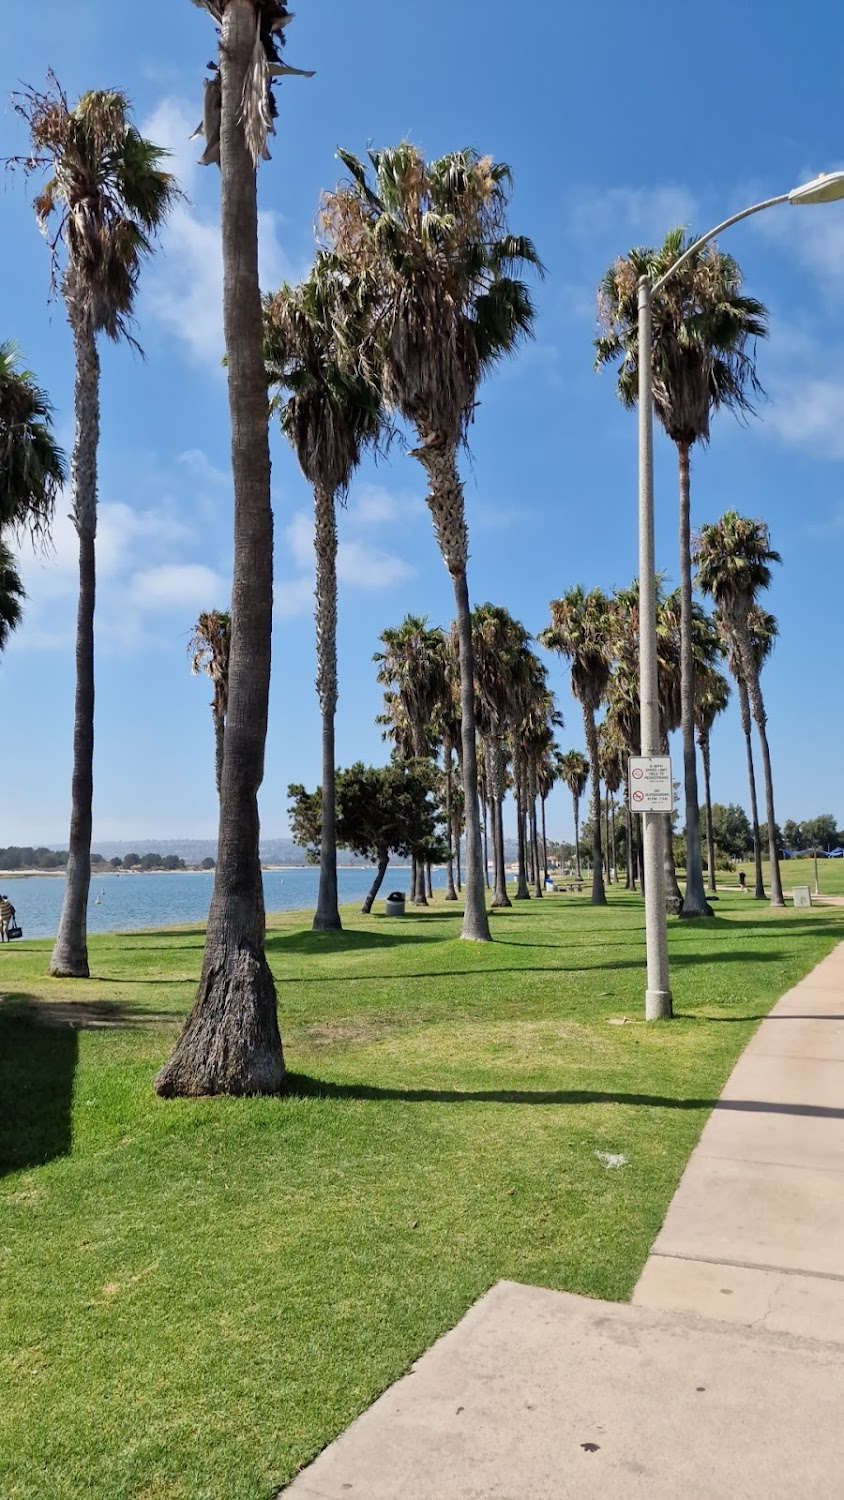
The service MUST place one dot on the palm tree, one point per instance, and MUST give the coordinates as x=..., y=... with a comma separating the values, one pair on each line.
x=704, y=330
x=499, y=649
x=574, y=769
x=110, y=194
x=613, y=758
x=434, y=237
x=733, y=558
x=581, y=629
x=712, y=694
x=230, y=1043
x=32, y=467
x=330, y=414
x=413, y=670
x=763, y=633
x=12, y=596
x=446, y=726
x=209, y=649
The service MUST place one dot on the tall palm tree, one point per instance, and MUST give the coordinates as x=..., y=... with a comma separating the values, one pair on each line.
x=209, y=649
x=32, y=466
x=612, y=754
x=110, y=194
x=763, y=633
x=447, y=730
x=434, y=237
x=230, y=1043
x=412, y=668
x=330, y=414
x=582, y=630
x=712, y=694
x=733, y=558
x=500, y=647
x=704, y=331
x=12, y=596
x=574, y=769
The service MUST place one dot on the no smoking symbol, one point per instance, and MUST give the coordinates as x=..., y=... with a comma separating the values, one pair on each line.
x=638, y=796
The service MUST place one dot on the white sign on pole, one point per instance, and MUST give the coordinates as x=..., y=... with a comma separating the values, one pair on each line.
x=651, y=786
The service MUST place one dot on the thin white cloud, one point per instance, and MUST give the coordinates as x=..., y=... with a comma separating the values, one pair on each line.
x=633, y=214
x=360, y=564
x=182, y=586
x=200, y=468
x=807, y=411
x=183, y=287
x=370, y=568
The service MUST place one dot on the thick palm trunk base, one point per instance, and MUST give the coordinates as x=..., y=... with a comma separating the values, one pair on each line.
x=231, y=1042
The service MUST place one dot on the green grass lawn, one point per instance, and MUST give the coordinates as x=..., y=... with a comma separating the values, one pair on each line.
x=196, y=1297
x=796, y=872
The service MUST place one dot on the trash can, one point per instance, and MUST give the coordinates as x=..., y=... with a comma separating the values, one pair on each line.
x=394, y=905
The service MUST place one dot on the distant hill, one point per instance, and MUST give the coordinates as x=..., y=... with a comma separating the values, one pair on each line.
x=194, y=851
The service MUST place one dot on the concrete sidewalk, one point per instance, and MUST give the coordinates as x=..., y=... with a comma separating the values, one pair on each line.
x=724, y=1380
x=755, y=1231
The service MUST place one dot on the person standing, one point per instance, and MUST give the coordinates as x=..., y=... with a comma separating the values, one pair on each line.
x=7, y=916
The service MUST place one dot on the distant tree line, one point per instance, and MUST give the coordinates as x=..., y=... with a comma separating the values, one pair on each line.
x=23, y=857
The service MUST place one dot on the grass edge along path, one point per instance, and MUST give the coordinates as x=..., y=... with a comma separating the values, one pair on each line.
x=195, y=1297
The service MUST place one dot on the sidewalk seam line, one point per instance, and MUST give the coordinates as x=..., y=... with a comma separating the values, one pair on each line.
x=746, y=1265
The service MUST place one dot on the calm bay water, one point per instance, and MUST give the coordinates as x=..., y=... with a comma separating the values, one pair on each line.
x=126, y=903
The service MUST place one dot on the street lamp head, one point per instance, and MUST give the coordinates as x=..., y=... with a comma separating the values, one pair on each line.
x=824, y=189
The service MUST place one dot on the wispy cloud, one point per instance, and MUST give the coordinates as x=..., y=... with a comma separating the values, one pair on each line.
x=179, y=586
x=631, y=213
x=183, y=288
x=361, y=565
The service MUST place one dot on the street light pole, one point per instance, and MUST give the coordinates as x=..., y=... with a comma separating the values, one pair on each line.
x=658, y=993
x=823, y=189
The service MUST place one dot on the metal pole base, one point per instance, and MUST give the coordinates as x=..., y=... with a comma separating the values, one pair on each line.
x=658, y=1005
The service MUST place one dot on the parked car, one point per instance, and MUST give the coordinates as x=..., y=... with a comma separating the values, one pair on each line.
x=836, y=854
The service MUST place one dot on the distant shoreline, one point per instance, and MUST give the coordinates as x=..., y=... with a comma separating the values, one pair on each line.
x=102, y=870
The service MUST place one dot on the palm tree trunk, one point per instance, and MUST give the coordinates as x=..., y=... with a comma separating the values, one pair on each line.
x=614, y=845
x=544, y=840
x=429, y=884
x=744, y=714
x=534, y=835
x=707, y=790
x=630, y=882
x=485, y=808
x=695, y=903
x=607, y=835
x=445, y=500
x=458, y=833
x=69, y=958
x=495, y=763
x=230, y=1043
x=522, y=892
x=383, y=861
x=576, y=801
x=420, y=897
x=450, y=892
x=599, y=896
x=327, y=915
x=751, y=674
x=219, y=743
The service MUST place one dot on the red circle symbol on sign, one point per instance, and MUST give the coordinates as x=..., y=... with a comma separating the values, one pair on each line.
x=638, y=796
x=638, y=774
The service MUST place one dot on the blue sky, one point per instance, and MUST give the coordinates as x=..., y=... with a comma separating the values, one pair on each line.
x=730, y=113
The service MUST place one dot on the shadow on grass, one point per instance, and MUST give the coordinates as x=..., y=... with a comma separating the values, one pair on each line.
x=353, y=941
x=301, y=1086
x=37, y=1064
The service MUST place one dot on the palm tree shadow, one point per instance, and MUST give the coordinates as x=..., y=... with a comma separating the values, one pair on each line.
x=37, y=1067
